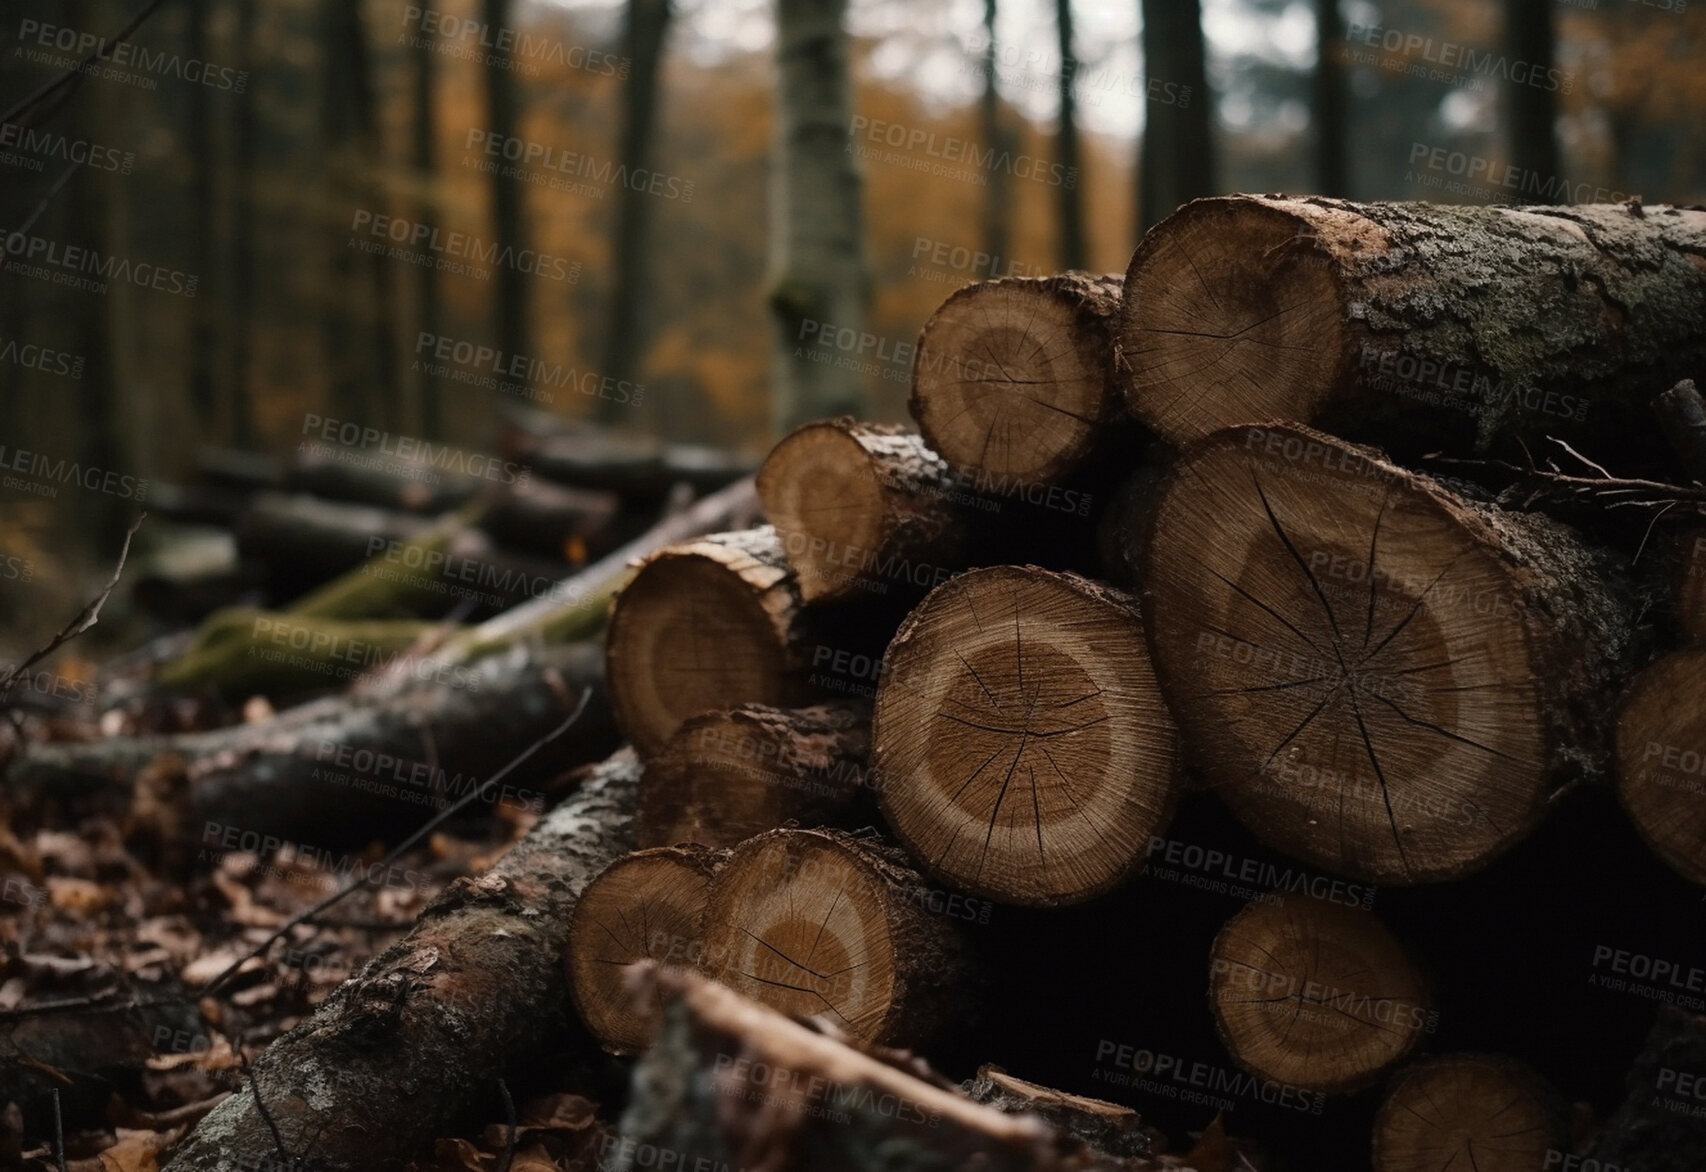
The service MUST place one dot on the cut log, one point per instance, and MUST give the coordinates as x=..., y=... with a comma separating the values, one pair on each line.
x=1381, y=677
x=1013, y=377
x=819, y=922
x=1476, y=1111
x=862, y=508
x=1020, y=745
x=570, y=523
x=1314, y=995
x=704, y=625
x=303, y=541
x=731, y=1084
x=1418, y=326
x=1661, y=760
x=442, y=479
x=728, y=775
x=424, y=1032
x=1106, y=1127
x=1660, y=1126
x=355, y=767
x=243, y=652
x=649, y=905
x=636, y=467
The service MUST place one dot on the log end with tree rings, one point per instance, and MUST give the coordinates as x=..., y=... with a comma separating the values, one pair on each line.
x=1661, y=760
x=1020, y=745
x=649, y=905
x=1231, y=314
x=1471, y=1111
x=860, y=508
x=815, y=923
x=1314, y=995
x=1012, y=376
x=706, y=624
x=1379, y=678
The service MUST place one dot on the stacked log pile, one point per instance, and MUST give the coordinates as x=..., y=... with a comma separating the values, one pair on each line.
x=1141, y=727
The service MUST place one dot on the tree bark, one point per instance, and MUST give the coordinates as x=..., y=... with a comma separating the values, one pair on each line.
x=509, y=224
x=1660, y=1128
x=423, y=55
x=1177, y=162
x=1661, y=770
x=648, y=905
x=430, y=1025
x=1419, y=326
x=1106, y=1127
x=1314, y=995
x=1331, y=104
x=1020, y=746
x=863, y=509
x=818, y=281
x=817, y=922
x=728, y=775
x=704, y=625
x=998, y=140
x=1014, y=378
x=1381, y=677
x=731, y=1084
x=643, y=33
x=1489, y=1110
x=1073, y=250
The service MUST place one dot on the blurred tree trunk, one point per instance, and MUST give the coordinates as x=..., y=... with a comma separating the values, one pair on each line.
x=204, y=339
x=1072, y=253
x=1332, y=172
x=241, y=391
x=507, y=201
x=1533, y=111
x=998, y=207
x=642, y=44
x=1178, y=148
x=817, y=252
x=363, y=377
x=429, y=400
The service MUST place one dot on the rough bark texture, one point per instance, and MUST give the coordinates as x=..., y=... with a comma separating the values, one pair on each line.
x=1419, y=326
x=739, y=1086
x=1383, y=677
x=1013, y=378
x=862, y=509
x=1106, y=1127
x=703, y=625
x=728, y=775
x=354, y=765
x=816, y=236
x=1660, y=1127
x=430, y=1025
x=823, y=922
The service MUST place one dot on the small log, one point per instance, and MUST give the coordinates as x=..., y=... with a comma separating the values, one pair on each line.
x=243, y=652
x=820, y=922
x=240, y=471
x=704, y=625
x=1314, y=995
x=1020, y=746
x=648, y=905
x=304, y=541
x=732, y=1084
x=1014, y=377
x=728, y=775
x=1477, y=1111
x=428, y=1027
x=569, y=523
x=1418, y=326
x=1660, y=1126
x=1661, y=760
x=638, y=468
x=862, y=508
x=438, y=480
x=1382, y=677
x=1106, y=1127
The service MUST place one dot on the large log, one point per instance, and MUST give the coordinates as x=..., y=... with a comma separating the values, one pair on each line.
x=705, y=624
x=731, y=1084
x=1418, y=326
x=359, y=766
x=1014, y=377
x=1476, y=1111
x=1020, y=745
x=816, y=922
x=1381, y=677
x=863, y=508
x=428, y=1027
x=1661, y=760
x=733, y=773
x=1315, y=995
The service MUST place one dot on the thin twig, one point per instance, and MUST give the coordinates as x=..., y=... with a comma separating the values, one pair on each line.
x=384, y=864
x=89, y=616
